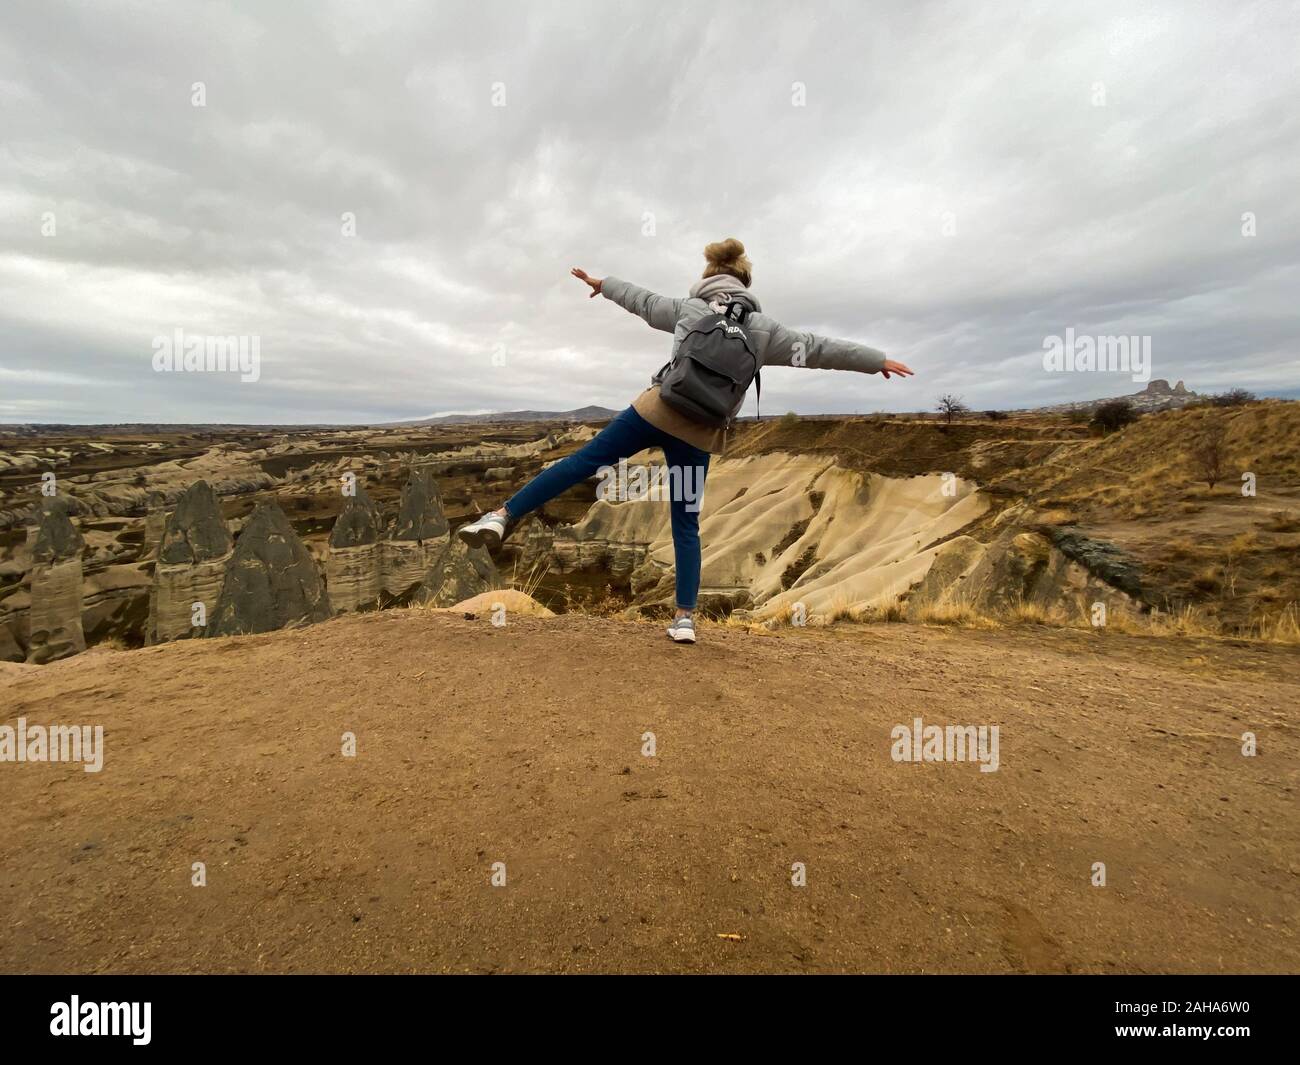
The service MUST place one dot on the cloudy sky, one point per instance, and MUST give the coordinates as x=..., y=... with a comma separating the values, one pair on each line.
x=950, y=182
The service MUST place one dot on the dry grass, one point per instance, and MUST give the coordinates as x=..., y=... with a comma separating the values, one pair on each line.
x=1144, y=470
x=1282, y=627
x=1186, y=621
x=603, y=604
x=839, y=610
x=782, y=615
x=961, y=615
x=1286, y=521
x=1024, y=613
x=1244, y=543
x=529, y=583
x=888, y=608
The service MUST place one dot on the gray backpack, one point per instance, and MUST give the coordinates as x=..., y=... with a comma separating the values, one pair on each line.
x=711, y=370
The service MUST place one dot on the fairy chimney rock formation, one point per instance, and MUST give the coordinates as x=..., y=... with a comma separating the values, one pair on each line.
x=418, y=536
x=271, y=580
x=358, y=524
x=353, y=562
x=196, y=531
x=56, y=582
x=420, y=516
x=56, y=539
x=193, y=553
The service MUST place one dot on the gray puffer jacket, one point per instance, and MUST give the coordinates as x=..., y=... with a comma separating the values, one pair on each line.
x=777, y=345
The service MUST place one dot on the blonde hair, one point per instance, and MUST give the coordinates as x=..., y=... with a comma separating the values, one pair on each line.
x=728, y=257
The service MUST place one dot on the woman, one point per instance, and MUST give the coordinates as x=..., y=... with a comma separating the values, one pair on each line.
x=650, y=422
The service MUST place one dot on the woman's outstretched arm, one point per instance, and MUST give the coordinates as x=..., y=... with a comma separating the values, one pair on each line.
x=659, y=311
x=790, y=347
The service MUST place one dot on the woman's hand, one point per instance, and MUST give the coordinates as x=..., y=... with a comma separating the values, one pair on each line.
x=892, y=367
x=594, y=282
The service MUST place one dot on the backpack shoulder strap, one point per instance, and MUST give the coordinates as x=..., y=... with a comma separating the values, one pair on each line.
x=740, y=313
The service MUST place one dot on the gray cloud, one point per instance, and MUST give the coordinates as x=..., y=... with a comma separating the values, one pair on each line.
x=950, y=192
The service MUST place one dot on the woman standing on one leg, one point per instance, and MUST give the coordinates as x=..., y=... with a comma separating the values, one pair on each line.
x=651, y=422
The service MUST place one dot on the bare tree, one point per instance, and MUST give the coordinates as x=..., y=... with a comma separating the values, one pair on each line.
x=1210, y=454
x=950, y=405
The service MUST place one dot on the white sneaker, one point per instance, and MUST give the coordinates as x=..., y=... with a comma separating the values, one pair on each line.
x=488, y=531
x=682, y=630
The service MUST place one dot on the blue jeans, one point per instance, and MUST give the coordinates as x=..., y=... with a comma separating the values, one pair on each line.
x=627, y=434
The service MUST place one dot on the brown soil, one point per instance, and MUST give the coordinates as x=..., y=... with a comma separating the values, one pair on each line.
x=522, y=745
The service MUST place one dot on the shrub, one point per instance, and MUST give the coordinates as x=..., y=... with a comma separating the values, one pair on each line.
x=1113, y=415
x=1234, y=397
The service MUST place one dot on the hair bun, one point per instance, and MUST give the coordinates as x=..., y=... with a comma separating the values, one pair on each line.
x=724, y=252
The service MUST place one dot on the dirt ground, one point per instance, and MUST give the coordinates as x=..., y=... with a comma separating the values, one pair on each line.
x=523, y=745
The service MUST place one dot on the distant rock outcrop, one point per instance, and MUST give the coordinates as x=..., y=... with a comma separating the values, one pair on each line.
x=193, y=554
x=591, y=413
x=54, y=618
x=353, y=562
x=271, y=581
x=1156, y=396
x=1159, y=387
